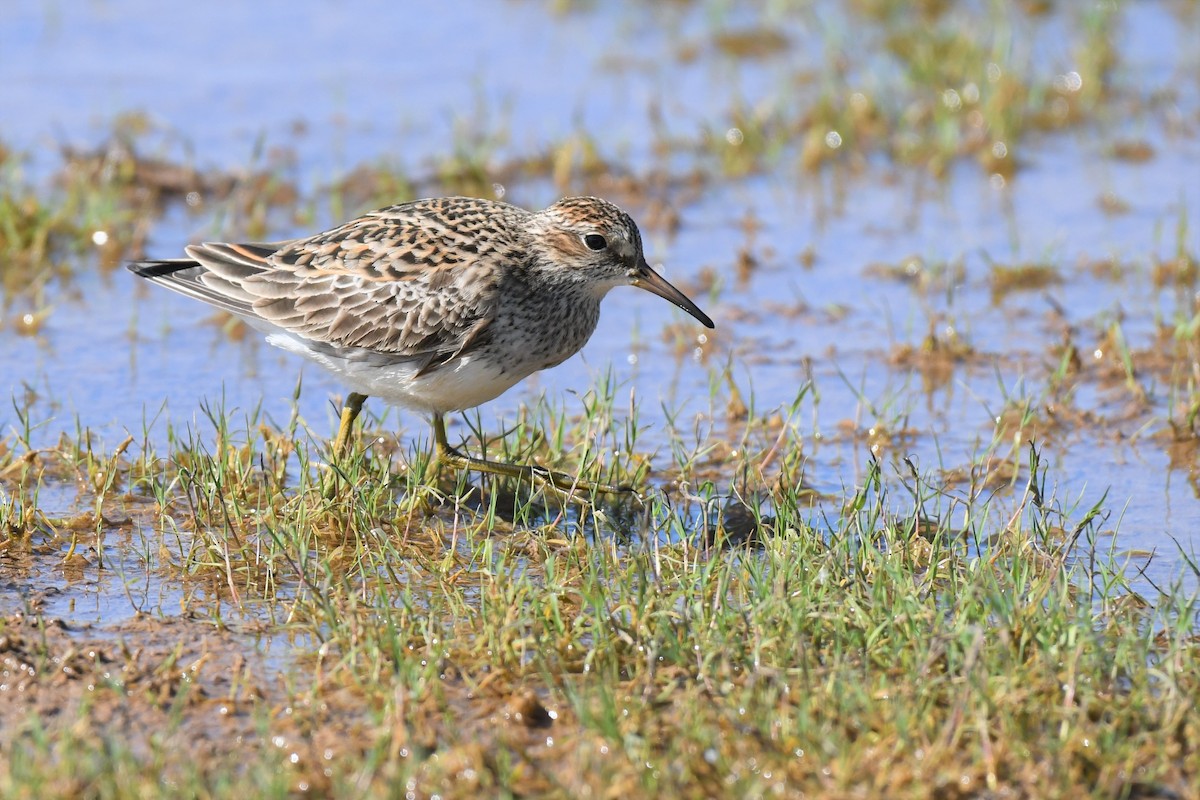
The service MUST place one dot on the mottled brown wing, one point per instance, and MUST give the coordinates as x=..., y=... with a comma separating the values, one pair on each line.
x=418, y=280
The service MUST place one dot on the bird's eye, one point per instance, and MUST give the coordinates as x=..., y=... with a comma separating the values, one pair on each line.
x=595, y=241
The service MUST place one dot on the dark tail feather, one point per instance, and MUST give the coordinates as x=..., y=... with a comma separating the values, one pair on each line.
x=160, y=267
x=190, y=278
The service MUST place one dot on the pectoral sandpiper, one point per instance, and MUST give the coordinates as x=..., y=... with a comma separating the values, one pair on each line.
x=436, y=305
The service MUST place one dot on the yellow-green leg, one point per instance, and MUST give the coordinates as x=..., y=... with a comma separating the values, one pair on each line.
x=559, y=480
x=350, y=412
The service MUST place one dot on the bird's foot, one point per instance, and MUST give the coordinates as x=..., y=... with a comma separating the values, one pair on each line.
x=566, y=486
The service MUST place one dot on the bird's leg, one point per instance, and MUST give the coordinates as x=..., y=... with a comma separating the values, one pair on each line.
x=559, y=480
x=350, y=412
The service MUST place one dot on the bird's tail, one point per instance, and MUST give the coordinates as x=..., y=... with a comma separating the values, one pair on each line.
x=187, y=276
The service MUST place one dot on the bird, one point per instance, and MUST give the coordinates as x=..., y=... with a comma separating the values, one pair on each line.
x=435, y=305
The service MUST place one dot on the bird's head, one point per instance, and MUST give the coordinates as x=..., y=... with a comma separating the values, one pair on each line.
x=592, y=241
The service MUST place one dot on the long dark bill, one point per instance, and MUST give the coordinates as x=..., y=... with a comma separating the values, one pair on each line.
x=654, y=283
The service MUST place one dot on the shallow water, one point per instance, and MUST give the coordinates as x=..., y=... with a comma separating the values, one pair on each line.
x=341, y=93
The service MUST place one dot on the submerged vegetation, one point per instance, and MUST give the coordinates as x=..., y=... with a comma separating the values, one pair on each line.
x=941, y=86
x=753, y=625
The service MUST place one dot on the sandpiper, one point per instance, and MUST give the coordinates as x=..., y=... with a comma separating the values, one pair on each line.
x=436, y=305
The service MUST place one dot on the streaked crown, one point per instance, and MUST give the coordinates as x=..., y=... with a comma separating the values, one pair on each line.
x=589, y=236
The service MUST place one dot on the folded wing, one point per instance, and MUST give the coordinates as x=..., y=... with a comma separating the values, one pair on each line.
x=416, y=281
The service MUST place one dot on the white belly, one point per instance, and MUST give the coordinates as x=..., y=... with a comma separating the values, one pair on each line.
x=465, y=383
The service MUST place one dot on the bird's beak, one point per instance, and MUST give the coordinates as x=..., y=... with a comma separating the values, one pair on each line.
x=651, y=281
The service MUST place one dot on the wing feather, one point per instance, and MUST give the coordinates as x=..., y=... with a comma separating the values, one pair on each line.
x=417, y=280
